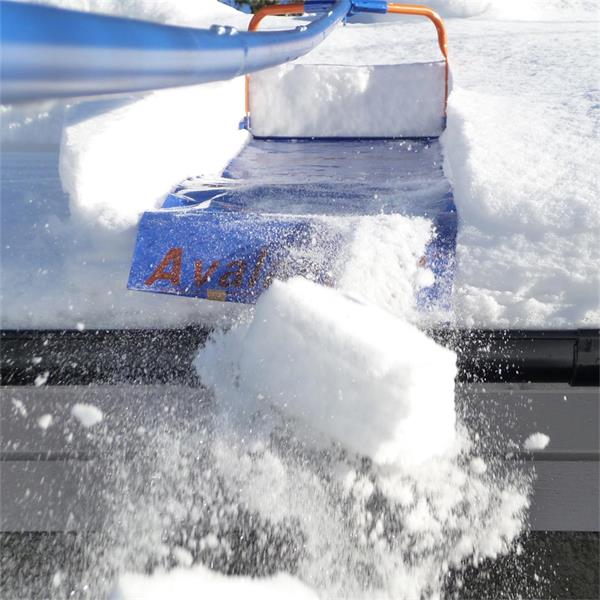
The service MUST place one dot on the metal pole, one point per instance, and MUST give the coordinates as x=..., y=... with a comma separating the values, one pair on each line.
x=47, y=52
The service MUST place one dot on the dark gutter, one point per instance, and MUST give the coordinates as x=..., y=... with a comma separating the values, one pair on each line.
x=165, y=356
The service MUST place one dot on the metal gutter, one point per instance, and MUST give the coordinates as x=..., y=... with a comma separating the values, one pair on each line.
x=165, y=355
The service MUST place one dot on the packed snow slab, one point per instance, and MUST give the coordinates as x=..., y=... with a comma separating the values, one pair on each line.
x=395, y=101
x=315, y=208
x=200, y=582
x=348, y=370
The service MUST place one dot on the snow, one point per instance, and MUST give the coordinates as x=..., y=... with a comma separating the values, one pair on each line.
x=147, y=129
x=395, y=243
x=173, y=12
x=524, y=79
x=537, y=227
x=87, y=414
x=272, y=468
x=332, y=437
x=200, y=582
x=314, y=383
x=478, y=465
x=41, y=379
x=19, y=407
x=536, y=441
x=348, y=101
x=117, y=158
x=347, y=369
x=45, y=421
x=528, y=236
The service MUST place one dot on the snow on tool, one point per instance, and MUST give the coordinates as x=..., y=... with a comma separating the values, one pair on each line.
x=289, y=203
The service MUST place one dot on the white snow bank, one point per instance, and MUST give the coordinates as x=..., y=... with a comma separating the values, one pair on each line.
x=348, y=101
x=173, y=12
x=513, y=10
x=539, y=10
x=526, y=192
x=120, y=162
x=200, y=582
x=349, y=370
x=536, y=441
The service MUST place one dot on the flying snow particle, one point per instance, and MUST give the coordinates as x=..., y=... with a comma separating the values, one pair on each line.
x=182, y=556
x=19, y=406
x=87, y=414
x=45, y=421
x=41, y=379
x=478, y=466
x=536, y=441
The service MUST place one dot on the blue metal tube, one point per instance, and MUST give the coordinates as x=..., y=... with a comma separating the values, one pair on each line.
x=48, y=52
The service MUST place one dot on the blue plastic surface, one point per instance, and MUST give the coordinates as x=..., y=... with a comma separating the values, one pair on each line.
x=49, y=52
x=274, y=214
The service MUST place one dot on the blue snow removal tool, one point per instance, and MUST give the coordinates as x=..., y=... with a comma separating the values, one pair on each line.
x=48, y=52
x=219, y=253
x=286, y=208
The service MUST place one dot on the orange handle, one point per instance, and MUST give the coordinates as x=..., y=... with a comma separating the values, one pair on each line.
x=283, y=9
x=424, y=11
x=275, y=10
x=399, y=9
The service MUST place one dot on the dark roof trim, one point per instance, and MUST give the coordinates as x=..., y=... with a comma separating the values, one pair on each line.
x=165, y=355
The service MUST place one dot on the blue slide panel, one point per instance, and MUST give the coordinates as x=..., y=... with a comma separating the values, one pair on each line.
x=277, y=213
x=48, y=52
x=219, y=254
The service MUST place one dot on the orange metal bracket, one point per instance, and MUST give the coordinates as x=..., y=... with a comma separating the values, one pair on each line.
x=275, y=10
x=424, y=11
x=399, y=9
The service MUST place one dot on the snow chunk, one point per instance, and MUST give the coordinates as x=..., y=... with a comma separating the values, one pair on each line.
x=19, y=407
x=200, y=582
x=405, y=100
x=348, y=370
x=41, y=379
x=87, y=414
x=478, y=465
x=536, y=441
x=45, y=421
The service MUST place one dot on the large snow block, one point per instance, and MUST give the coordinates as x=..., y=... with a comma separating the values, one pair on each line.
x=324, y=101
x=349, y=370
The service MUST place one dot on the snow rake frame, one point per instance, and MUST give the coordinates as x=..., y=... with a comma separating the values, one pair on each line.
x=391, y=8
